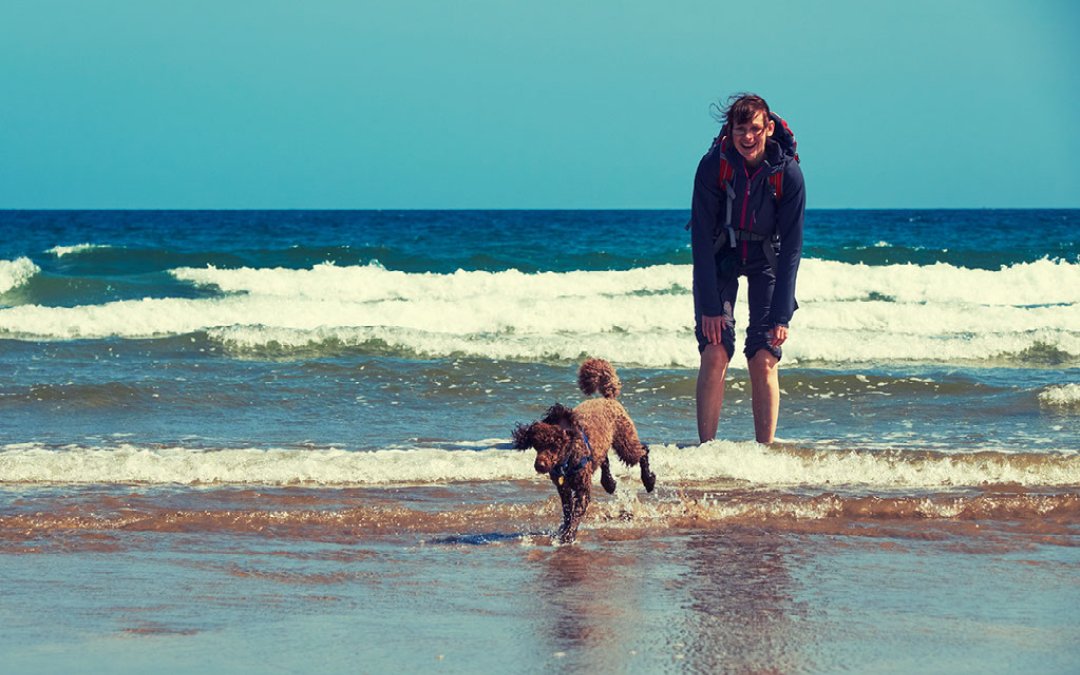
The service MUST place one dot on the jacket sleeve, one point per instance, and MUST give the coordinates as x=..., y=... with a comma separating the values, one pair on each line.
x=789, y=223
x=705, y=206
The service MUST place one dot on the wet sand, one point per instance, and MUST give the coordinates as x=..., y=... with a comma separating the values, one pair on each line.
x=465, y=579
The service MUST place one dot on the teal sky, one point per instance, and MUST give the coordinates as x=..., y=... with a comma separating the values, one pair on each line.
x=505, y=104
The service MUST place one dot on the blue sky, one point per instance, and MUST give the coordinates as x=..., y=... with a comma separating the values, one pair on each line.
x=506, y=104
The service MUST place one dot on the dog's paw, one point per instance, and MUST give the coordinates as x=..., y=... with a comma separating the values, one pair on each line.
x=609, y=483
x=563, y=540
x=649, y=481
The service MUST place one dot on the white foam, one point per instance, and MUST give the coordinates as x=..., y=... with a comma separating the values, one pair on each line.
x=888, y=469
x=1062, y=396
x=15, y=273
x=31, y=463
x=715, y=461
x=372, y=282
x=850, y=313
x=61, y=251
x=1044, y=282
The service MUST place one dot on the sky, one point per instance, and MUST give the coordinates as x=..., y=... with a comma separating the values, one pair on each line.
x=506, y=104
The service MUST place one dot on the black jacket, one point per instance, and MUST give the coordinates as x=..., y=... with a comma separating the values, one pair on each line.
x=753, y=209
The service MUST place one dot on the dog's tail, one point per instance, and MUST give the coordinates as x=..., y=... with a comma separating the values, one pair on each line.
x=598, y=376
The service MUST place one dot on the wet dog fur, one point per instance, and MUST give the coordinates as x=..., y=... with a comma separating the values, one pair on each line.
x=571, y=443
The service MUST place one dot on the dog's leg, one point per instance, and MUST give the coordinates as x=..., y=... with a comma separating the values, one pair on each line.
x=582, y=496
x=648, y=478
x=579, y=502
x=566, y=496
x=606, y=479
x=569, y=530
x=627, y=445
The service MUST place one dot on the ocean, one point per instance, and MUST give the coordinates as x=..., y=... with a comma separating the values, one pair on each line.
x=254, y=440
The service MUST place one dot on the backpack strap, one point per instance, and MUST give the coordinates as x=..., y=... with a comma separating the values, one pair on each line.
x=776, y=180
x=726, y=180
x=727, y=172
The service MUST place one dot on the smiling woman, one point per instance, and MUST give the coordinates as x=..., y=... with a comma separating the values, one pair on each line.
x=748, y=123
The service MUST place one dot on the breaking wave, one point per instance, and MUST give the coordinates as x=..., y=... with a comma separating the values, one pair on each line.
x=61, y=251
x=851, y=313
x=1066, y=396
x=15, y=273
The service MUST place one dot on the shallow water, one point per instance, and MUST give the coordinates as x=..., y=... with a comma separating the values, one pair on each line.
x=712, y=577
x=371, y=580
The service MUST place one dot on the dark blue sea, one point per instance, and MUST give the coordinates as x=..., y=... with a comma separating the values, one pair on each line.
x=206, y=390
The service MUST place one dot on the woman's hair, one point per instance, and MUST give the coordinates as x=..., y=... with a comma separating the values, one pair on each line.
x=740, y=109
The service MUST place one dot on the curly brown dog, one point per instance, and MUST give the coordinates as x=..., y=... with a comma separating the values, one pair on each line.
x=570, y=444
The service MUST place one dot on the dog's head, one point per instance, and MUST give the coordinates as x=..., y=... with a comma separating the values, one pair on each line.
x=551, y=437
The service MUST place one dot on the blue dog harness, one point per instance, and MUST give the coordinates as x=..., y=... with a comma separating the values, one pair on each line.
x=563, y=470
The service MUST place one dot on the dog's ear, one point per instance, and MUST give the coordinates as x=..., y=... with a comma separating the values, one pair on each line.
x=560, y=416
x=548, y=437
x=521, y=436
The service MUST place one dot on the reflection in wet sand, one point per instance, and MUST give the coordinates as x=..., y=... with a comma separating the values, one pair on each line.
x=740, y=604
x=703, y=602
x=588, y=607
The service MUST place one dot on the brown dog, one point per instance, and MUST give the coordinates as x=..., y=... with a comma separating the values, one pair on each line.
x=570, y=444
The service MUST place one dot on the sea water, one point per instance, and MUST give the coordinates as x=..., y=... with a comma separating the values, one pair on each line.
x=339, y=387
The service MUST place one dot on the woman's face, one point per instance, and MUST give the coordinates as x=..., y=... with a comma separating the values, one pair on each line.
x=749, y=138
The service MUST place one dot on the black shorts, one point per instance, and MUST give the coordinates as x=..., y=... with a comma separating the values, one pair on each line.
x=760, y=282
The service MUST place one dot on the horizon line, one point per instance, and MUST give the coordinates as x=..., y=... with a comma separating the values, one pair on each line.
x=521, y=209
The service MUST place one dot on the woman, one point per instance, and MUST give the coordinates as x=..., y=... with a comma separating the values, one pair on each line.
x=746, y=220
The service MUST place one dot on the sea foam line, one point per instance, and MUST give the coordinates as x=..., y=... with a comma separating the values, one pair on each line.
x=642, y=316
x=715, y=461
x=652, y=331
x=1043, y=282
x=372, y=282
x=275, y=466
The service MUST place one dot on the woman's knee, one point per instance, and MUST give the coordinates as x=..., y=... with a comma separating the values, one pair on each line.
x=715, y=358
x=763, y=363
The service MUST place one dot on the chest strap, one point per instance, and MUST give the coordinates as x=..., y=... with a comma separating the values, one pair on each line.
x=564, y=469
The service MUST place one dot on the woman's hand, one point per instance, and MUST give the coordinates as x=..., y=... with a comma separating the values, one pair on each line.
x=779, y=334
x=712, y=327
